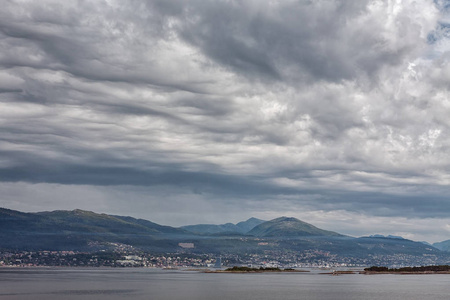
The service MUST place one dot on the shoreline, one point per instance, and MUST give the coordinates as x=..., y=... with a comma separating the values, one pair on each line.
x=256, y=271
x=404, y=273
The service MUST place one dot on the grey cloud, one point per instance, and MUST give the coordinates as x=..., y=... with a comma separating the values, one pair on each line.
x=108, y=171
x=10, y=90
x=408, y=201
x=443, y=5
x=290, y=41
x=91, y=46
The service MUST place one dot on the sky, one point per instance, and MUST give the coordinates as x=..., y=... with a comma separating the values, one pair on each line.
x=184, y=112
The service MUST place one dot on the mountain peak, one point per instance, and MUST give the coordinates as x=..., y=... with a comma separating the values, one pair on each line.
x=286, y=219
x=288, y=226
x=251, y=219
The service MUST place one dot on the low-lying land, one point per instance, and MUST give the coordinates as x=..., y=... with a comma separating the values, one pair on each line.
x=236, y=269
x=347, y=272
x=443, y=269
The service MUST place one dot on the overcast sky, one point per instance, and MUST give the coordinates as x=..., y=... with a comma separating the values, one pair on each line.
x=186, y=112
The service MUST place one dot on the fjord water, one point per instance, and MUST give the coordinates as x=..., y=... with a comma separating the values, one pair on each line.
x=112, y=284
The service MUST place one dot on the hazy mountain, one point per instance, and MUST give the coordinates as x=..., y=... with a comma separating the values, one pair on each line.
x=387, y=236
x=241, y=227
x=426, y=243
x=392, y=246
x=246, y=226
x=444, y=245
x=288, y=227
x=210, y=228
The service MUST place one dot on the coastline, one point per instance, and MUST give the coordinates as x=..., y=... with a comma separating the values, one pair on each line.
x=256, y=271
x=404, y=273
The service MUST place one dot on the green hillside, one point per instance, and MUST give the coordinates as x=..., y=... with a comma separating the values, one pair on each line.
x=77, y=229
x=288, y=227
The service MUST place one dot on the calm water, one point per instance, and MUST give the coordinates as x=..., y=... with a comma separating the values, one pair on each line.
x=154, y=284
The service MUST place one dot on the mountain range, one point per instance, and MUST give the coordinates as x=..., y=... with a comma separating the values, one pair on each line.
x=88, y=231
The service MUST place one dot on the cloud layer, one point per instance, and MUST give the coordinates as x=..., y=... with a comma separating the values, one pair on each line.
x=243, y=107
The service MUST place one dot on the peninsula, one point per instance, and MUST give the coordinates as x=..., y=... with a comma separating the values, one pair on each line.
x=443, y=269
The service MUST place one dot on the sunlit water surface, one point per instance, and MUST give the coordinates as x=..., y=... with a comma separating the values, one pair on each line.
x=111, y=284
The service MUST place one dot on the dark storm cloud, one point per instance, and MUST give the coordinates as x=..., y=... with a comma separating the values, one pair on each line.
x=331, y=105
x=10, y=90
x=104, y=173
x=422, y=205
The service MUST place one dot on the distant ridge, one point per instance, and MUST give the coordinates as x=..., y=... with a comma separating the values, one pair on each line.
x=241, y=227
x=80, y=220
x=443, y=246
x=289, y=227
x=387, y=236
